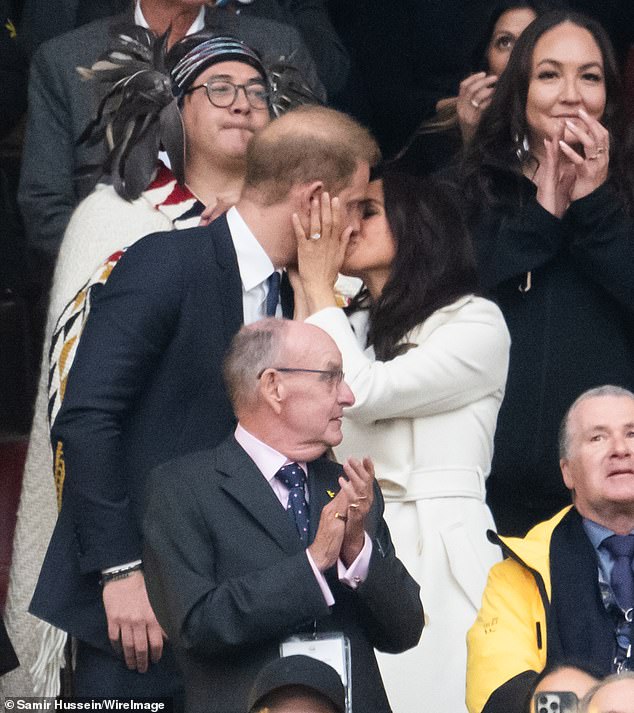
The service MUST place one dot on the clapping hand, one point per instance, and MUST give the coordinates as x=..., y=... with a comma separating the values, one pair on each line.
x=591, y=169
x=341, y=531
x=565, y=174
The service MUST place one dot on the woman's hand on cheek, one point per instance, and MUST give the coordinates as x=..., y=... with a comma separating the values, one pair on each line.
x=320, y=253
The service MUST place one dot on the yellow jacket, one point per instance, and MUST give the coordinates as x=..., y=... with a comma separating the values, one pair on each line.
x=508, y=638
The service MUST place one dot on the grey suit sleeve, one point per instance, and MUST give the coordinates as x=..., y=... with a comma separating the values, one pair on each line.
x=46, y=194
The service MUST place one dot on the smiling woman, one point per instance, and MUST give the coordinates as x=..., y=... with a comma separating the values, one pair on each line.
x=548, y=186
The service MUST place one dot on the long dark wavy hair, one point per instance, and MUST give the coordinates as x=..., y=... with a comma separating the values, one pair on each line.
x=497, y=144
x=434, y=263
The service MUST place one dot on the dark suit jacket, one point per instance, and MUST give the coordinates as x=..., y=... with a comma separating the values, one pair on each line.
x=145, y=387
x=229, y=579
x=61, y=104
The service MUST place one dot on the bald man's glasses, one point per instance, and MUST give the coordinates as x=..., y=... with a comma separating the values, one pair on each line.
x=332, y=376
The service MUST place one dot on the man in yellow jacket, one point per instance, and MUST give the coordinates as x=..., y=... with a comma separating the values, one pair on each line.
x=566, y=590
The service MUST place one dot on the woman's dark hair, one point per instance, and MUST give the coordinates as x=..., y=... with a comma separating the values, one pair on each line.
x=539, y=7
x=434, y=263
x=497, y=143
x=575, y=663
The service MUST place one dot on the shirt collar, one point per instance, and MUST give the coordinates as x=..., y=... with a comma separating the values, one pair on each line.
x=197, y=25
x=597, y=533
x=267, y=459
x=254, y=264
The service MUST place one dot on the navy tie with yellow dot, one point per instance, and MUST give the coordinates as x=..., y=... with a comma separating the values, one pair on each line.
x=293, y=477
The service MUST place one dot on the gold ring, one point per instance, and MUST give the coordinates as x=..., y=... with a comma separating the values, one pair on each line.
x=314, y=236
x=339, y=516
x=601, y=149
x=362, y=497
x=354, y=506
x=474, y=103
x=594, y=157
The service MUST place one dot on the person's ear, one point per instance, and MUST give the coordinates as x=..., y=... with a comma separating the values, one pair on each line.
x=272, y=389
x=566, y=472
x=306, y=193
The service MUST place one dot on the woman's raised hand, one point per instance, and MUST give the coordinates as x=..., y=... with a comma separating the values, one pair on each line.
x=555, y=177
x=474, y=96
x=320, y=251
x=591, y=168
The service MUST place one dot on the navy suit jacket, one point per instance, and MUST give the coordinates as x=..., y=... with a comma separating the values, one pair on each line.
x=229, y=579
x=146, y=386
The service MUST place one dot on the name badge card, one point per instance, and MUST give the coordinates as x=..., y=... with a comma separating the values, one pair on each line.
x=331, y=648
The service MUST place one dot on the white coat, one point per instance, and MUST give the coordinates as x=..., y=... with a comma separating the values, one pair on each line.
x=427, y=419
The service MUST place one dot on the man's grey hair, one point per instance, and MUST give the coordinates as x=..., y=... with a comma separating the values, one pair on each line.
x=586, y=702
x=564, y=430
x=253, y=349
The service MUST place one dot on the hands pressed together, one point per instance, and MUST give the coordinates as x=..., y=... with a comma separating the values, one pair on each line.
x=567, y=175
x=341, y=531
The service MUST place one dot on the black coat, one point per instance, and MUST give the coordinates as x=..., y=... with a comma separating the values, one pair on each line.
x=229, y=579
x=572, y=330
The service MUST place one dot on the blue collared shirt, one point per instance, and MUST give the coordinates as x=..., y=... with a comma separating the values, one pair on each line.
x=597, y=534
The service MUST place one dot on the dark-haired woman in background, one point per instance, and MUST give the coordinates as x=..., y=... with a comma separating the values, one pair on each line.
x=440, y=138
x=548, y=181
x=426, y=360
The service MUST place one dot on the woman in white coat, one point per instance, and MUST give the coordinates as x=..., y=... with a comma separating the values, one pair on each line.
x=426, y=359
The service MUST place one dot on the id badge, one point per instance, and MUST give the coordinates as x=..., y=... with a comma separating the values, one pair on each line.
x=331, y=648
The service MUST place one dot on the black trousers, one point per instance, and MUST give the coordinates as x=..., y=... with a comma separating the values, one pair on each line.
x=104, y=675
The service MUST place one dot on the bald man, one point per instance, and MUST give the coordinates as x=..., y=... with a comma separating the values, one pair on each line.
x=262, y=539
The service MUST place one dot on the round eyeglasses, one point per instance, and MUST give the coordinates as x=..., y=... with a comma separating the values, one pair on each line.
x=222, y=93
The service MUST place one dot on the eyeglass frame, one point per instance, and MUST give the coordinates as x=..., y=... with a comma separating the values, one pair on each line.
x=334, y=375
x=236, y=88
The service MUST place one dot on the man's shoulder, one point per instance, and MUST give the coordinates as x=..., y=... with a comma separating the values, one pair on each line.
x=189, y=246
x=270, y=38
x=83, y=44
x=205, y=468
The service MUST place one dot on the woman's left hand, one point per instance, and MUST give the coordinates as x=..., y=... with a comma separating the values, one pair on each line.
x=321, y=252
x=591, y=169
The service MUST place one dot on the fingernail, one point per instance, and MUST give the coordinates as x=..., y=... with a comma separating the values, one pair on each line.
x=569, y=124
x=584, y=113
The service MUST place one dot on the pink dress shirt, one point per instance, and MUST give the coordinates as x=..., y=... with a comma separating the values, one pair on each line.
x=269, y=461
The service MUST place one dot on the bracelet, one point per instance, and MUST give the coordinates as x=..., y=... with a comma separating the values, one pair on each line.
x=120, y=573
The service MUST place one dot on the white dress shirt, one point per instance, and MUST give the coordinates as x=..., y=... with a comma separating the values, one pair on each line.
x=197, y=25
x=255, y=268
